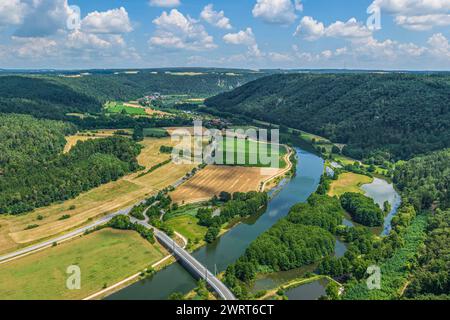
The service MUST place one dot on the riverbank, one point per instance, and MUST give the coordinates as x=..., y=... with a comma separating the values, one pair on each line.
x=135, y=278
x=273, y=293
x=228, y=248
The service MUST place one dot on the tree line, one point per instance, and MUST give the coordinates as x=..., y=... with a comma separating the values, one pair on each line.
x=425, y=180
x=388, y=117
x=26, y=140
x=362, y=209
x=52, y=97
x=301, y=238
x=238, y=204
x=88, y=165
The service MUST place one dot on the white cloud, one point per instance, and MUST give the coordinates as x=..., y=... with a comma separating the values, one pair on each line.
x=324, y=55
x=279, y=57
x=246, y=38
x=280, y=12
x=176, y=31
x=12, y=12
x=298, y=5
x=215, y=18
x=113, y=21
x=81, y=40
x=165, y=3
x=34, y=48
x=418, y=15
x=362, y=43
x=311, y=29
x=242, y=37
x=44, y=18
x=423, y=23
x=439, y=46
x=42, y=34
x=412, y=7
x=352, y=29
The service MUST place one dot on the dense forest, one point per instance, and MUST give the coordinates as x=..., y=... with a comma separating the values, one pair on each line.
x=426, y=180
x=88, y=165
x=415, y=258
x=362, y=209
x=431, y=276
x=25, y=139
x=301, y=238
x=387, y=116
x=52, y=96
x=43, y=97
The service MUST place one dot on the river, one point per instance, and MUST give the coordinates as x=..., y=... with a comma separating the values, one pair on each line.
x=381, y=191
x=227, y=249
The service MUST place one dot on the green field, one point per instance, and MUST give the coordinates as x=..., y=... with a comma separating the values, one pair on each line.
x=104, y=257
x=117, y=107
x=184, y=221
x=348, y=182
x=249, y=153
x=155, y=133
x=188, y=226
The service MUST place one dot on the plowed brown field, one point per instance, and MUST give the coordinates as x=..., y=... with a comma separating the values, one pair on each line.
x=214, y=179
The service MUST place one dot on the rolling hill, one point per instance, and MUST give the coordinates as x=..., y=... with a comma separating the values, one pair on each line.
x=381, y=116
x=54, y=95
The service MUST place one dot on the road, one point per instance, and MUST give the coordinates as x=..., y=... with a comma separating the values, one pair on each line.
x=72, y=234
x=65, y=237
x=194, y=265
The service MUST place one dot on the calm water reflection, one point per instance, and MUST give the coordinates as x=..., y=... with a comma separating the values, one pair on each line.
x=233, y=244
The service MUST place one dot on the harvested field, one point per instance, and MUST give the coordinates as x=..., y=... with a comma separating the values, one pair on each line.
x=214, y=179
x=103, y=133
x=90, y=205
x=149, y=111
x=73, y=140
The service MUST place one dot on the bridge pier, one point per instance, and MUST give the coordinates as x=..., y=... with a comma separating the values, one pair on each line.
x=194, y=266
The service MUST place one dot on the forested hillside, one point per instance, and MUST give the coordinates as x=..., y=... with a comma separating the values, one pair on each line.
x=431, y=278
x=390, y=116
x=51, y=96
x=88, y=165
x=25, y=139
x=426, y=179
x=42, y=98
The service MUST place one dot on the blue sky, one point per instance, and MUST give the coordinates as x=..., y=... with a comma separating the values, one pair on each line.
x=411, y=34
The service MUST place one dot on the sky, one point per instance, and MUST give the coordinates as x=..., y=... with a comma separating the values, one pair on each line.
x=253, y=34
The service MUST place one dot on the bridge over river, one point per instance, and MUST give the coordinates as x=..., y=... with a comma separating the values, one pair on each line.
x=194, y=266
x=184, y=257
x=190, y=263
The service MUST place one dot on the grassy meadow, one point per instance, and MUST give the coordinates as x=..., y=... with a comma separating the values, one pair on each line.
x=348, y=182
x=117, y=107
x=249, y=153
x=185, y=222
x=105, y=257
